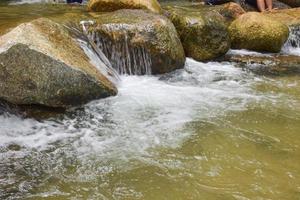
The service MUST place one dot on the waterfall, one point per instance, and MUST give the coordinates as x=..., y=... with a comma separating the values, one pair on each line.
x=294, y=37
x=124, y=57
x=292, y=45
x=96, y=56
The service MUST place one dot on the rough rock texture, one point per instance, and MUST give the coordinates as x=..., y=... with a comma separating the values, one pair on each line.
x=230, y=11
x=129, y=37
x=289, y=17
x=277, y=65
x=254, y=31
x=113, y=5
x=203, y=32
x=40, y=64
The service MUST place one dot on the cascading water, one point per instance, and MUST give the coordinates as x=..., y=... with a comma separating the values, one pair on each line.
x=125, y=58
x=292, y=46
x=95, y=54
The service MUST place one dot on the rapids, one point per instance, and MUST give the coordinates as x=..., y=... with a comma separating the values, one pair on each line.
x=208, y=131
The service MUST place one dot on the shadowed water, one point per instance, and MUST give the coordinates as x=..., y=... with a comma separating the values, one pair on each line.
x=209, y=131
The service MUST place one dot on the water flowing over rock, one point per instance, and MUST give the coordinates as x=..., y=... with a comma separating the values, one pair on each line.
x=138, y=42
x=294, y=37
x=291, y=18
x=263, y=64
x=42, y=65
x=113, y=5
x=287, y=62
x=203, y=32
x=254, y=31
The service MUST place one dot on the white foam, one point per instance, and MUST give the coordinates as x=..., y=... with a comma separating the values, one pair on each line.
x=147, y=113
x=16, y=2
x=291, y=50
x=247, y=52
x=292, y=45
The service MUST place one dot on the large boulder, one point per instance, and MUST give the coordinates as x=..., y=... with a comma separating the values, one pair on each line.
x=203, y=32
x=113, y=5
x=40, y=64
x=138, y=42
x=254, y=31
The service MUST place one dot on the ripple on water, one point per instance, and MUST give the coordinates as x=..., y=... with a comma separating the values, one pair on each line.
x=148, y=111
x=106, y=135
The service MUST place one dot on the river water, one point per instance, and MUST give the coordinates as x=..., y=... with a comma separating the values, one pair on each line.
x=209, y=131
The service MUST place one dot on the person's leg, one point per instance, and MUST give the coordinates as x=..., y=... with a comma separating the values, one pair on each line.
x=261, y=5
x=269, y=4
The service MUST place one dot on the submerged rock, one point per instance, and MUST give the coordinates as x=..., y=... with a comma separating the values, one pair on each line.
x=203, y=32
x=138, y=42
x=255, y=31
x=113, y=5
x=40, y=64
x=267, y=64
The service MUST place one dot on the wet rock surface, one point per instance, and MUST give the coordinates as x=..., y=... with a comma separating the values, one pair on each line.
x=254, y=31
x=40, y=64
x=203, y=31
x=277, y=64
x=138, y=42
x=113, y=5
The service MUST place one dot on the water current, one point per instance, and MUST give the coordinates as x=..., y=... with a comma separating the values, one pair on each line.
x=208, y=131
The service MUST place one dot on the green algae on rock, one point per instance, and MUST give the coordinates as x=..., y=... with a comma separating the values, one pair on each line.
x=42, y=65
x=254, y=31
x=129, y=32
x=203, y=32
x=113, y=5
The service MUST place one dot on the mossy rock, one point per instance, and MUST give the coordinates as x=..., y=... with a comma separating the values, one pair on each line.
x=254, y=31
x=42, y=65
x=128, y=32
x=203, y=32
x=113, y=5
